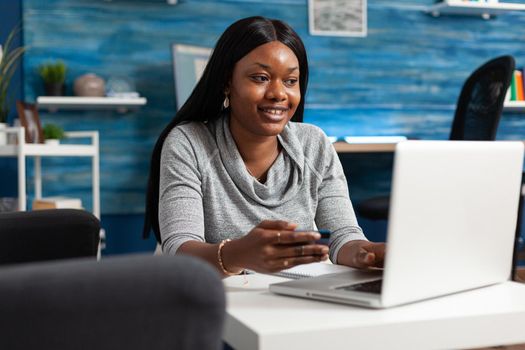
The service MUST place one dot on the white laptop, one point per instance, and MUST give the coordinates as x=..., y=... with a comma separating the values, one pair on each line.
x=451, y=228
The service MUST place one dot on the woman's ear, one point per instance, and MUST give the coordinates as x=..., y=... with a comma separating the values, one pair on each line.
x=226, y=89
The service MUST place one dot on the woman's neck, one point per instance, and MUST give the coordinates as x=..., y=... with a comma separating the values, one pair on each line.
x=257, y=152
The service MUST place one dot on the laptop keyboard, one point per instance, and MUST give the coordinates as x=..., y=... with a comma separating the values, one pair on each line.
x=366, y=287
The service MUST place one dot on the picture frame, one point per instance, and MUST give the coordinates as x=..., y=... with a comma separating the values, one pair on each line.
x=189, y=62
x=338, y=17
x=28, y=115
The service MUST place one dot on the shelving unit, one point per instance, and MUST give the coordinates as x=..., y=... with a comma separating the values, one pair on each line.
x=54, y=103
x=514, y=106
x=23, y=150
x=484, y=9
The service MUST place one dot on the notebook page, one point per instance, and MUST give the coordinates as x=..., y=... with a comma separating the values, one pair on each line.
x=312, y=270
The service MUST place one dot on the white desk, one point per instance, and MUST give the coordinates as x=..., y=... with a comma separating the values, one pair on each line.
x=257, y=319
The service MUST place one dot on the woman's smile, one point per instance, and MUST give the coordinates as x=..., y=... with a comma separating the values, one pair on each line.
x=274, y=114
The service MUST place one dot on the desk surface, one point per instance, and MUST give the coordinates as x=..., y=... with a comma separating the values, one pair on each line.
x=387, y=147
x=344, y=147
x=258, y=319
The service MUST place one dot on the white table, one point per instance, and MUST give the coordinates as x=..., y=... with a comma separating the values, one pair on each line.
x=258, y=319
x=22, y=150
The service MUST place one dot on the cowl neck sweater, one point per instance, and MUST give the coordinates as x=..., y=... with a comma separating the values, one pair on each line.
x=284, y=178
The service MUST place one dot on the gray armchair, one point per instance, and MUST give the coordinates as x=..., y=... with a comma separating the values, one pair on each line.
x=127, y=302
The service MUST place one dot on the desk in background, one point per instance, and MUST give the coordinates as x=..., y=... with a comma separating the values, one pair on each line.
x=369, y=147
x=359, y=144
x=259, y=320
x=345, y=147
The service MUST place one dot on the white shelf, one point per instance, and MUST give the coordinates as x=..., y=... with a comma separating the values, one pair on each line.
x=78, y=103
x=44, y=150
x=483, y=9
x=514, y=106
x=22, y=150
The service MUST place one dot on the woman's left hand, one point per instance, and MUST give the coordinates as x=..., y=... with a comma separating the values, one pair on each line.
x=362, y=254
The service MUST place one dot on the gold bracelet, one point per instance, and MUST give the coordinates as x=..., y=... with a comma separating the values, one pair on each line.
x=219, y=257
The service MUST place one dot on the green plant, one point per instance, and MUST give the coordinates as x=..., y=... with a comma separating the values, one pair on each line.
x=8, y=62
x=53, y=73
x=53, y=131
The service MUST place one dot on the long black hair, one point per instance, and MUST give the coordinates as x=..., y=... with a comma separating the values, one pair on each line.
x=205, y=102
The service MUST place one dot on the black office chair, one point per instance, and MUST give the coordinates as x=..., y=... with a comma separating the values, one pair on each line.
x=477, y=116
x=518, y=250
x=30, y=236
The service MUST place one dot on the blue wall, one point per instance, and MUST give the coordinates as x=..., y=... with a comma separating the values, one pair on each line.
x=403, y=78
x=10, y=17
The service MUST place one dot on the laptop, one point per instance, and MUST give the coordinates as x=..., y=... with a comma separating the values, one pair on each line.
x=452, y=221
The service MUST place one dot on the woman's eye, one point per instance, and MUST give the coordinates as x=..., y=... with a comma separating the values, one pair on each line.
x=259, y=78
x=291, y=81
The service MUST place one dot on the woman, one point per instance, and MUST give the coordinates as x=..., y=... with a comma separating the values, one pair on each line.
x=237, y=180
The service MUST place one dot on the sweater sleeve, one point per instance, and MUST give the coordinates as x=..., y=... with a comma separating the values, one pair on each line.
x=180, y=193
x=334, y=209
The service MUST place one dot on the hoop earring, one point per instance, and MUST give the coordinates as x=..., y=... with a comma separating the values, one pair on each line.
x=226, y=102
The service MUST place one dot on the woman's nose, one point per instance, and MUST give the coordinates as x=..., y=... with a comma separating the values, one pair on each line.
x=276, y=91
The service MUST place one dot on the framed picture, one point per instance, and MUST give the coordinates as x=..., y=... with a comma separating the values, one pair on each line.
x=28, y=115
x=188, y=65
x=337, y=17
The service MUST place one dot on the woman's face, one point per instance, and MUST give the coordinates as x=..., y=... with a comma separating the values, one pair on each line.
x=264, y=90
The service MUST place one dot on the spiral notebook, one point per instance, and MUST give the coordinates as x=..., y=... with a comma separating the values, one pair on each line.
x=312, y=270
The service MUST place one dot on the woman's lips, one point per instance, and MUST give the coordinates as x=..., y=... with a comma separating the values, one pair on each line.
x=275, y=114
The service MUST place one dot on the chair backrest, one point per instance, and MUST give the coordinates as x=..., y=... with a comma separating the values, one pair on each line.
x=480, y=103
x=127, y=302
x=29, y=236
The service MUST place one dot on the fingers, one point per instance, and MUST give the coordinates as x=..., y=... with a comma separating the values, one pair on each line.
x=277, y=246
x=292, y=237
x=285, y=236
x=301, y=250
x=277, y=225
x=283, y=232
x=370, y=256
x=378, y=249
x=366, y=258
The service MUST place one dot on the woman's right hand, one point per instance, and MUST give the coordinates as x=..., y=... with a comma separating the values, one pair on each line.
x=272, y=246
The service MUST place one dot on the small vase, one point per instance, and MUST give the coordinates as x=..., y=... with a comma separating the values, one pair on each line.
x=52, y=142
x=89, y=85
x=55, y=89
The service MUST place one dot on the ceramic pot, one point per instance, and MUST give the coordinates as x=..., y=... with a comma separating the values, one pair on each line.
x=55, y=89
x=89, y=85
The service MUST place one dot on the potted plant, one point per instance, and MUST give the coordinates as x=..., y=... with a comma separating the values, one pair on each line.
x=54, y=76
x=9, y=57
x=53, y=134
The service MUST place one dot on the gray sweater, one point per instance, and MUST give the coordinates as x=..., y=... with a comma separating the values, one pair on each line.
x=206, y=193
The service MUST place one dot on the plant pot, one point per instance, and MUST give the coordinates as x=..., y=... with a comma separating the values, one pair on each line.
x=55, y=89
x=3, y=134
x=52, y=142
